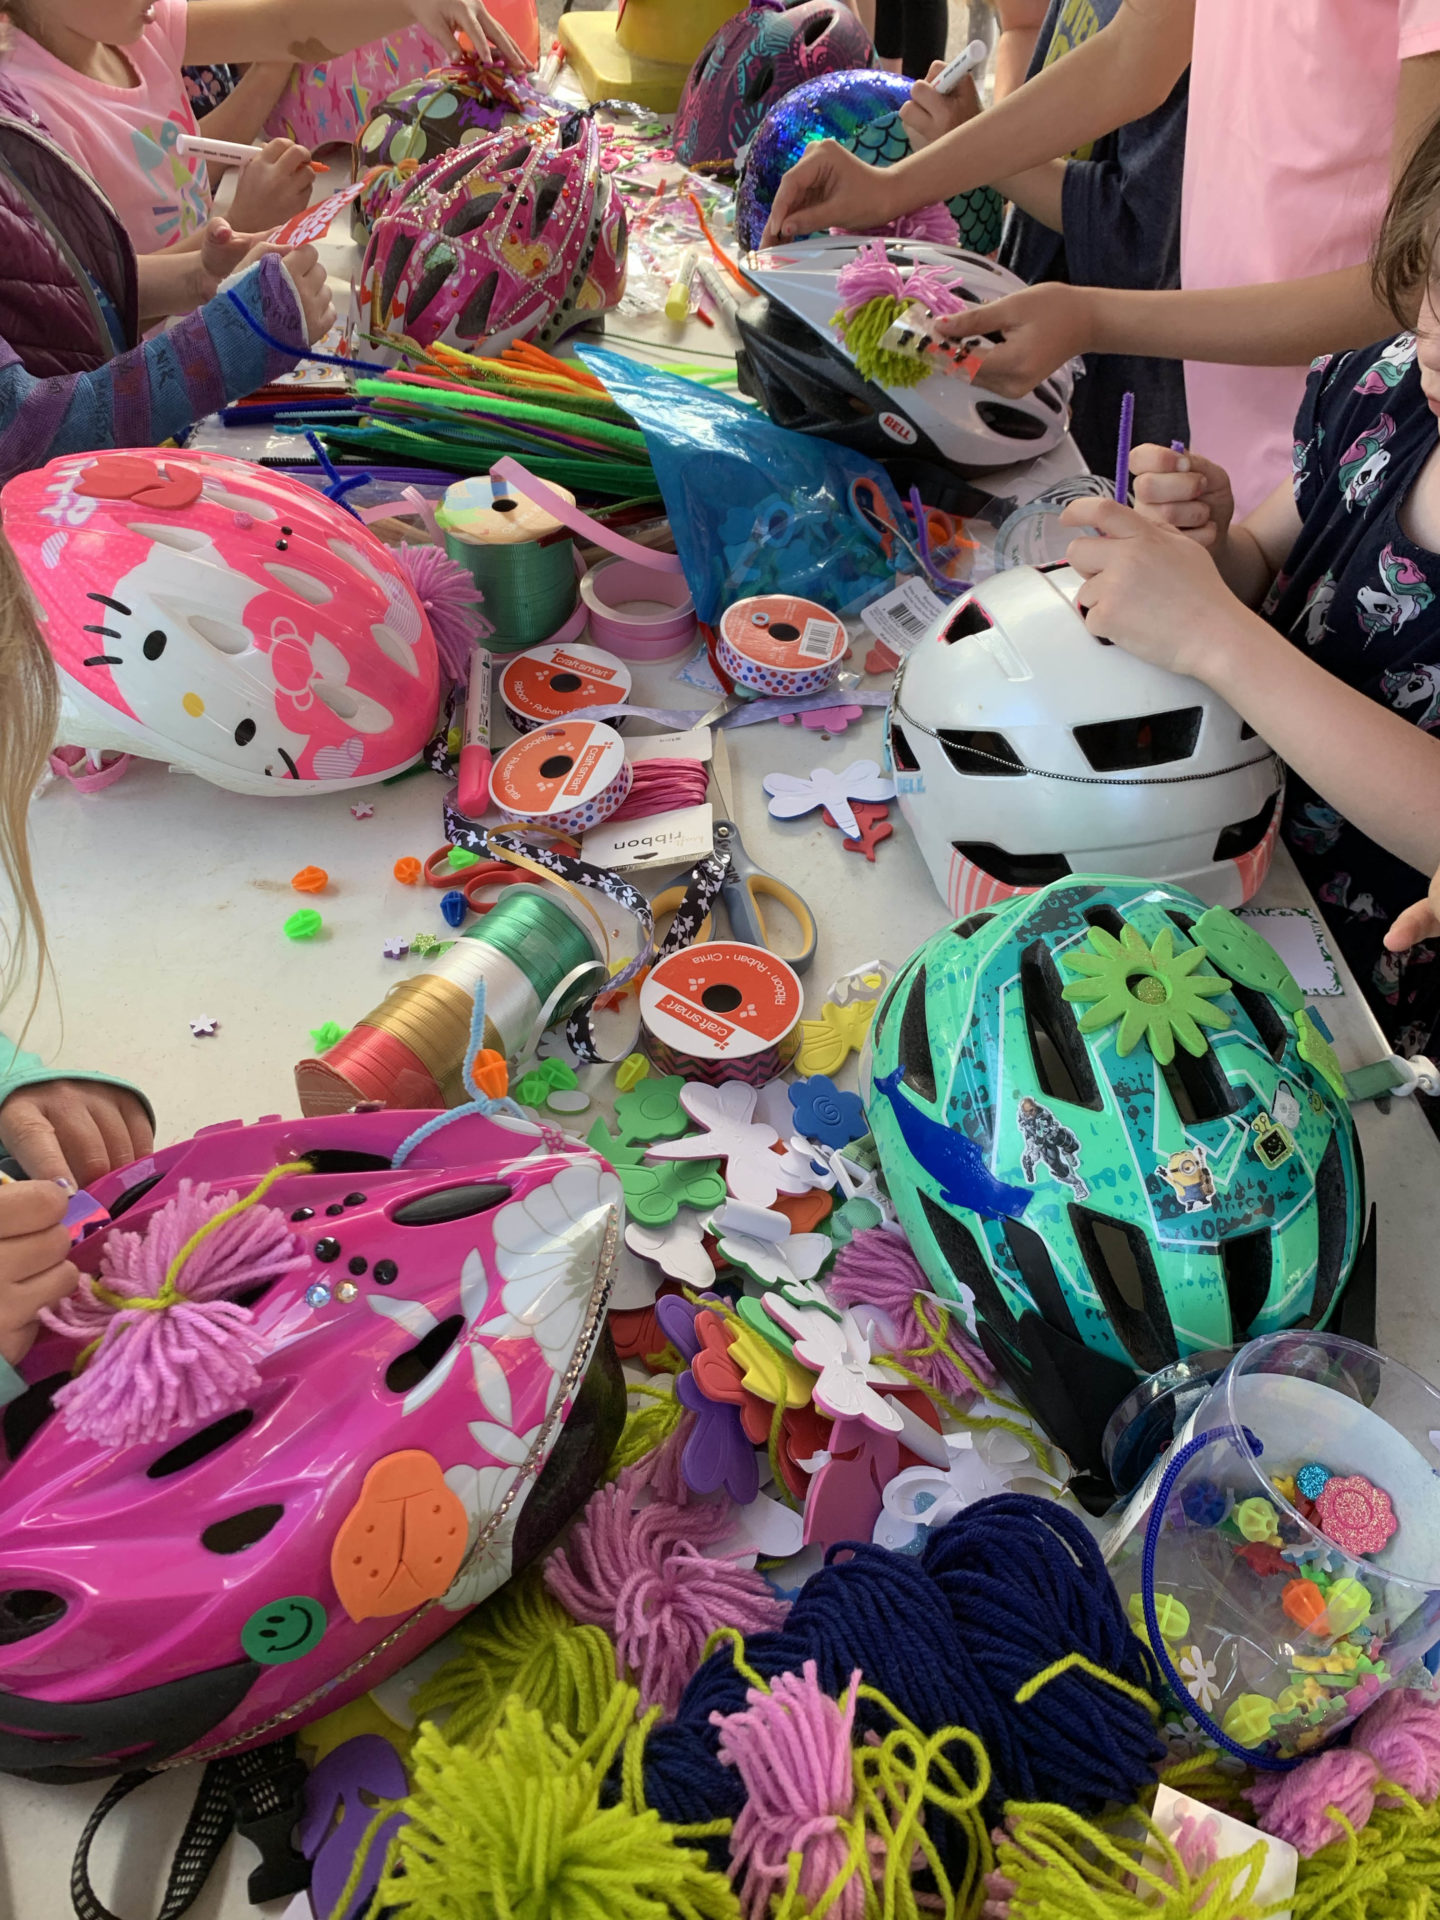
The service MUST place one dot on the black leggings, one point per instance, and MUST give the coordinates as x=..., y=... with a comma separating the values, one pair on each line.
x=913, y=31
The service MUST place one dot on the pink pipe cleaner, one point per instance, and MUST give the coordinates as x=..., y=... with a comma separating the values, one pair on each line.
x=643, y=1578
x=791, y=1747
x=1398, y=1739
x=184, y=1364
x=878, y=1270
x=451, y=601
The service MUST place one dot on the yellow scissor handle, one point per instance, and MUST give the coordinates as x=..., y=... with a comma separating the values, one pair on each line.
x=665, y=905
x=744, y=895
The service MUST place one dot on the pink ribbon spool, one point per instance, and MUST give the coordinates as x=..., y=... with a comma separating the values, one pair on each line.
x=626, y=603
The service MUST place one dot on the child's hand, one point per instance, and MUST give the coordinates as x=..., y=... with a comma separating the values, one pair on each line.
x=443, y=19
x=1042, y=328
x=35, y=1269
x=828, y=187
x=223, y=251
x=1420, y=922
x=74, y=1130
x=1185, y=491
x=927, y=115
x=312, y=290
x=273, y=187
x=1146, y=587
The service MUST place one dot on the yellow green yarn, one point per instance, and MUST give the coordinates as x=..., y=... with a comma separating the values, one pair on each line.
x=647, y=1427
x=518, y=1832
x=864, y=329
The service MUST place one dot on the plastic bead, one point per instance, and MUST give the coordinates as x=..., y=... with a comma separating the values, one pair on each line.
x=1172, y=1616
x=1204, y=1504
x=407, y=871
x=310, y=880
x=1266, y=1560
x=559, y=1077
x=1347, y=1606
x=326, y=1035
x=1304, y=1603
x=490, y=1073
x=461, y=857
x=631, y=1071
x=303, y=925
x=453, y=907
x=1249, y=1719
x=1256, y=1519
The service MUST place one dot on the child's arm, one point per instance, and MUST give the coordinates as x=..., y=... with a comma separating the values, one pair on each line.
x=313, y=30
x=1020, y=24
x=242, y=114
x=35, y=1270
x=1158, y=595
x=1120, y=75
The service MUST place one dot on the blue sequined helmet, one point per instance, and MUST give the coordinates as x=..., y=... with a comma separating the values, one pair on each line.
x=1104, y=1110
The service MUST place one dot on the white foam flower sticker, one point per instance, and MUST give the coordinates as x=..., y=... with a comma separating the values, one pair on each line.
x=481, y=1490
x=1199, y=1676
x=548, y=1248
x=492, y=1383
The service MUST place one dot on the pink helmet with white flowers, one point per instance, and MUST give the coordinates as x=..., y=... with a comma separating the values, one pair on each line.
x=421, y=1414
x=518, y=236
x=229, y=620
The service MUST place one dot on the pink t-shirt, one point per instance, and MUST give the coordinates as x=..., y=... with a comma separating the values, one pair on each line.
x=1287, y=170
x=125, y=136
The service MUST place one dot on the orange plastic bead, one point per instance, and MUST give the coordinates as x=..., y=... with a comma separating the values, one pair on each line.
x=490, y=1074
x=1304, y=1602
x=311, y=880
x=407, y=871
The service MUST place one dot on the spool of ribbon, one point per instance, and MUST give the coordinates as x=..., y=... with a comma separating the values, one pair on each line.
x=779, y=646
x=722, y=1011
x=519, y=554
x=574, y=775
x=556, y=681
x=636, y=612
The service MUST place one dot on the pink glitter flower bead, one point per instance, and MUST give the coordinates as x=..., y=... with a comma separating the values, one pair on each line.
x=1354, y=1514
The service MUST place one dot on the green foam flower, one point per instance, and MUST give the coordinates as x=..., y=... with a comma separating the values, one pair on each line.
x=1317, y=1052
x=1237, y=949
x=1152, y=991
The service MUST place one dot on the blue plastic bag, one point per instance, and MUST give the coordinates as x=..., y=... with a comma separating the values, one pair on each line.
x=754, y=507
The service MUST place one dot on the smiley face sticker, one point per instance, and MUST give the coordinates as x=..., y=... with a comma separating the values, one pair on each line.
x=283, y=1630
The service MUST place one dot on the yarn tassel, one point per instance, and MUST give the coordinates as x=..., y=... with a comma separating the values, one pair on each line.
x=877, y=1269
x=874, y=293
x=451, y=601
x=1397, y=1741
x=168, y=1346
x=644, y=1578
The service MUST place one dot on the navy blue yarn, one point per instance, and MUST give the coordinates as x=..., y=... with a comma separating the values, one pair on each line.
x=1001, y=1592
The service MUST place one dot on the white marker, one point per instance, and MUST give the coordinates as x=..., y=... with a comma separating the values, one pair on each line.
x=954, y=71
x=232, y=152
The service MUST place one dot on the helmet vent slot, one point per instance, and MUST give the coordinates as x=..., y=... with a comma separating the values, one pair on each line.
x=441, y=266
x=1246, y=1259
x=196, y=1446
x=475, y=314
x=240, y=1530
x=917, y=1067
x=1242, y=838
x=27, y=1414
x=901, y=751
x=1018, y=870
x=26, y=1611
x=471, y=214
x=969, y=621
x=1199, y=1088
x=969, y=1266
x=814, y=29
x=1037, y=1270
x=409, y=1368
x=1062, y=1064
x=1145, y=740
x=759, y=84
x=1121, y=1266
x=1247, y=732
x=546, y=194
x=1332, y=1233
x=981, y=753
x=967, y=929
x=1010, y=422
x=396, y=262
x=451, y=1203
x=342, y=1160
x=1106, y=918
x=132, y=1194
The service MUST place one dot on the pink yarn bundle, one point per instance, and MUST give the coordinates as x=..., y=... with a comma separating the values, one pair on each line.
x=661, y=1473
x=643, y=1577
x=871, y=276
x=878, y=1270
x=451, y=601
x=1396, y=1740
x=156, y=1367
x=934, y=223
x=791, y=1747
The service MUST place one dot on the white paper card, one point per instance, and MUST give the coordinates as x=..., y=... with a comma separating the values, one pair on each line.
x=904, y=615
x=1298, y=936
x=697, y=744
x=1225, y=1837
x=678, y=838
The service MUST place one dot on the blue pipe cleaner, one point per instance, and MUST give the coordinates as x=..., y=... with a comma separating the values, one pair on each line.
x=478, y=1102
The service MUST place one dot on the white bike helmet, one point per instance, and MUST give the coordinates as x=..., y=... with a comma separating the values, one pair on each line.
x=794, y=362
x=1025, y=749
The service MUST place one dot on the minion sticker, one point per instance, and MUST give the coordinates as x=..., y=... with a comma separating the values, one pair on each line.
x=1190, y=1180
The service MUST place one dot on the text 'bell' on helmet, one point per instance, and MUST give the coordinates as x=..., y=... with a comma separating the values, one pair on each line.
x=224, y=618
x=795, y=362
x=1024, y=749
x=421, y=1414
x=756, y=59
x=1104, y=1111
x=519, y=236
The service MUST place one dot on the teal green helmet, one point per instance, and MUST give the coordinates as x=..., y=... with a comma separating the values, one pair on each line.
x=1103, y=1108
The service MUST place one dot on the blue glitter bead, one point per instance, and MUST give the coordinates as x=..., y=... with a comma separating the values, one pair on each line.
x=1311, y=1478
x=860, y=109
x=1204, y=1503
x=318, y=1295
x=453, y=908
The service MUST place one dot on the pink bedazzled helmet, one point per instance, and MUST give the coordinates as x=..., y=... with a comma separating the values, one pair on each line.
x=229, y=620
x=518, y=236
x=753, y=61
x=422, y=1414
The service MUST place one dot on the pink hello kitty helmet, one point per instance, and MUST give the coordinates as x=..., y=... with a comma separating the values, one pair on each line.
x=421, y=1416
x=229, y=620
x=518, y=236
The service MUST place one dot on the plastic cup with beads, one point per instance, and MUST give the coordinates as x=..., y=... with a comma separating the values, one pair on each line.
x=1294, y=1528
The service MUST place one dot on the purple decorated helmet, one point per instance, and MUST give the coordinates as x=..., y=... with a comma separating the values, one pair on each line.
x=518, y=236
x=388, y=1385
x=452, y=107
x=753, y=61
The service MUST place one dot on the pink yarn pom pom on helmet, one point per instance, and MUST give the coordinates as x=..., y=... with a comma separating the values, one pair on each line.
x=518, y=236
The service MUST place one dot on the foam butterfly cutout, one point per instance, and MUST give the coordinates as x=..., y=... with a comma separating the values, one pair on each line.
x=678, y=1249
x=861, y=780
x=146, y=481
x=827, y=1043
x=732, y=1134
x=840, y=1354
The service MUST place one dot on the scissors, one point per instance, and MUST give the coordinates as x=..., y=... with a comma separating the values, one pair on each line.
x=745, y=886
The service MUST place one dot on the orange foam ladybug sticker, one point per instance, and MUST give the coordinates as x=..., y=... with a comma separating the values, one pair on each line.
x=141, y=478
x=403, y=1540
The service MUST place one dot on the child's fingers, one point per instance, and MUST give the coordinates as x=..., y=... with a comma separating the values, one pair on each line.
x=1187, y=515
x=46, y=1289
x=1152, y=458
x=1166, y=489
x=1415, y=923
x=29, y=1207
x=33, y=1255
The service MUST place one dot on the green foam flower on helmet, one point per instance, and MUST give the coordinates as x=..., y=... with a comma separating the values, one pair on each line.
x=1151, y=990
